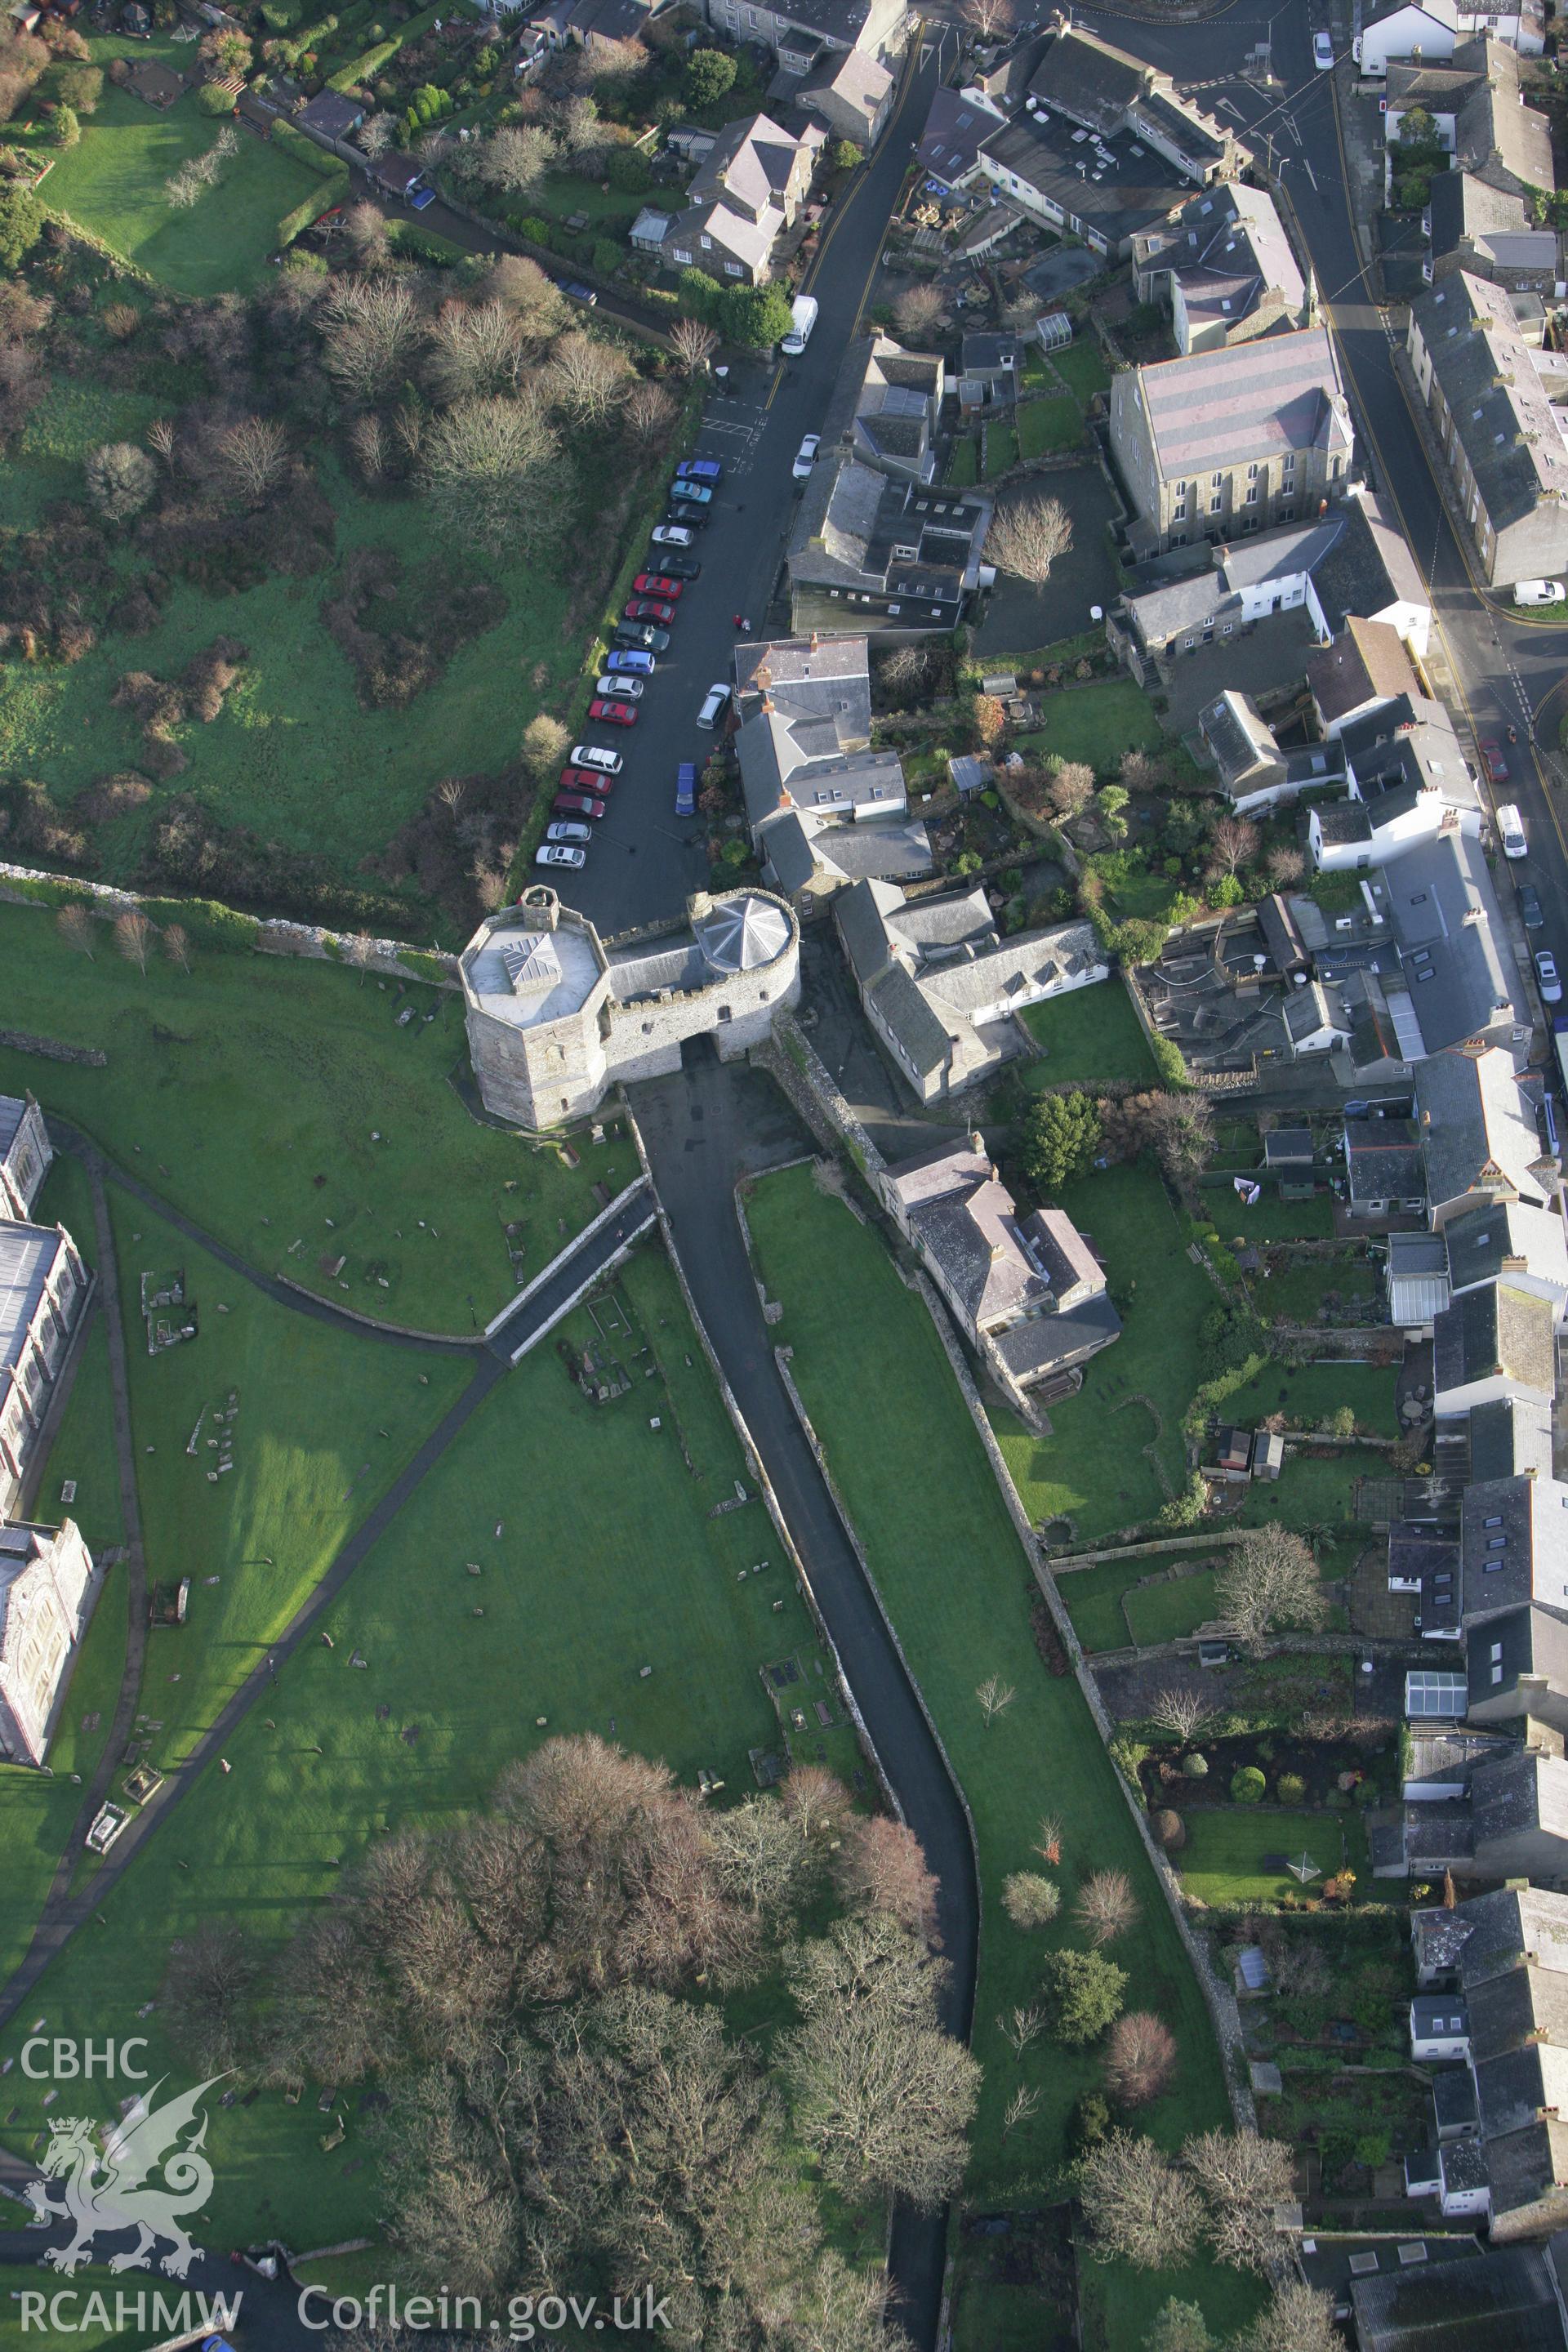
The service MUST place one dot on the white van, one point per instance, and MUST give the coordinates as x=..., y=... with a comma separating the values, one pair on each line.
x=1539, y=592
x=1510, y=830
x=803, y=318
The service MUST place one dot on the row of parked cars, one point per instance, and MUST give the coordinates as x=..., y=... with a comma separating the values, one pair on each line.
x=640, y=636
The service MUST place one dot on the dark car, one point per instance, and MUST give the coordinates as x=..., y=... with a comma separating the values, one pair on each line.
x=612, y=714
x=1530, y=906
x=673, y=565
x=577, y=292
x=660, y=584
x=639, y=633
x=688, y=518
x=587, y=780
x=648, y=608
x=578, y=804
x=700, y=469
x=686, y=789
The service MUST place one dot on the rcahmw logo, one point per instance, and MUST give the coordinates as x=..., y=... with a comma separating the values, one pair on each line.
x=105, y=2193
x=151, y=2315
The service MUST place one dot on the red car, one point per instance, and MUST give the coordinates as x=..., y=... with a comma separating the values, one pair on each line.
x=660, y=584
x=1496, y=758
x=646, y=608
x=577, y=804
x=587, y=780
x=614, y=714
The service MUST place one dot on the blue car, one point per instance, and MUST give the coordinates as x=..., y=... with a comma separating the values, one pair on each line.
x=686, y=789
x=700, y=469
x=634, y=664
x=695, y=494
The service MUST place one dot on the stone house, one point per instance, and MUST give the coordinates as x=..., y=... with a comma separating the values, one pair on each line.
x=1227, y=439
x=851, y=92
x=1224, y=269
x=1432, y=30
x=1027, y=1291
x=1491, y=233
x=556, y=1016
x=48, y=1587
x=1494, y=1342
x=1480, y=1140
x=884, y=555
x=886, y=408
x=1362, y=672
x=799, y=31
x=748, y=190
x=43, y=1290
x=26, y=1156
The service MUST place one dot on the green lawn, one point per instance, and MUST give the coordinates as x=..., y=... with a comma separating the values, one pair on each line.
x=231, y=1090
x=113, y=183
x=1000, y=449
x=1165, y=1612
x=1108, y=1612
x=577, y=1598
x=1273, y=1220
x=941, y=1546
x=1098, y=723
x=1297, y=1289
x=1223, y=1860
x=1088, y=1036
x=1052, y=423
x=1093, y=1598
x=1307, y=1395
x=72, y=417
x=1082, y=370
x=24, y=2329
x=963, y=464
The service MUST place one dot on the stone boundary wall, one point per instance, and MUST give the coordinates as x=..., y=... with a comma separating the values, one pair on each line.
x=1067, y=1562
x=755, y=1462
x=453, y=1341
x=813, y=1074
x=49, y=1049
x=1222, y=2003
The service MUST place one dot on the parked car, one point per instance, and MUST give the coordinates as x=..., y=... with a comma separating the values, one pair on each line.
x=639, y=633
x=557, y=854
x=1546, y=973
x=805, y=456
x=1510, y=830
x=713, y=703
x=1539, y=592
x=686, y=789
x=675, y=566
x=578, y=804
x=686, y=520
x=612, y=714
x=1530, y=906
x=593, y=755
x=576, y=291
x=671, y=534
x=568, y=832
x=700, y=469
x=1496, y=758
x=694, y=494
x=418, y=198
x=587, y=780
x=634, y=664
x=630, y=689
x=661, y=584
x=649, y=608
x=1322, y=52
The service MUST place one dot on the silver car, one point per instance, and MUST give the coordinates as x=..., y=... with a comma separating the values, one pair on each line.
x=557, y=853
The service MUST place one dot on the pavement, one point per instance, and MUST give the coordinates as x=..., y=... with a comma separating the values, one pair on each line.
x=703, y=1129
x=583, y=1262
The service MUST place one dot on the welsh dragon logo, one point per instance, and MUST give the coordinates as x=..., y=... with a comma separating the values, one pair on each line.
x=110, y=2190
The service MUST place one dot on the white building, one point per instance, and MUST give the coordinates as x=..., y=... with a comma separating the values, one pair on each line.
x=1432, y=31
x=43, y=1290
x=25, y=1153
x=47, y=1588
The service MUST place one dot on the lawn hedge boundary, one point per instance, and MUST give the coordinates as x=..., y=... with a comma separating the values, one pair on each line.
x=331, y=191
x=370, y=61
x=305, y=151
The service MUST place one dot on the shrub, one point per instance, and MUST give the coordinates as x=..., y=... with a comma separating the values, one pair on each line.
x=1196, y=1767
x=1292, y=1789
x=627, y=170
x=21, y=225
x=1091, y=2122
x=1085, y=1992
x=1141, y=2059
x=1247, y=1786
x=1170, y=1829
x=1029, y=1899
x=213, y=100
x=709, y=75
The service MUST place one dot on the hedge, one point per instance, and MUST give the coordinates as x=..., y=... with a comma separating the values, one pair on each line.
x=305, y=151
x=205, y=921
x=331, y=191
x=370, y=61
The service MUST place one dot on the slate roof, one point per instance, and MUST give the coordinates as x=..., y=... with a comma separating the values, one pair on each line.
x=951, y=139
x=1511, y=1437
x=886, y=400
x=1522, y=1789
x=1453, y=955
x=1496, y=1331
x=852, y=519
x=855, y=78
x=1038, y=1345
x=1254, y=400
x=1368, y=663
x=1478, y=1128
x=1480, y=360
x=1494, y=1932
x=27, y=1256
x=1227, y=247
x=1089, y=80
x=1382, y=1159
x=1461, y=206
x=1493, y=128
x=1129, y=194
x=1367, y=566
x=949, y=1166
x=333, y=114
x=1485, y=1242
x=1499, y=2301
x=1527, y=1642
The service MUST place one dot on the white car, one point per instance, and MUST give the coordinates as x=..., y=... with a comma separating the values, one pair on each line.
x=1546, y=973
x=569, y=833
x=1510, y=830
x=1322, y=53
x=805, y=456
x=671, y=534
x=712, y=709
x=557, y=853
x=623, y=689
x=589, y=755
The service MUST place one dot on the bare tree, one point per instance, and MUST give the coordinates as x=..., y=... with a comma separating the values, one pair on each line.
x=1049, y=1839
x=546, y=743
x=1243, y=2177
x=693, y=344
x=1022, y=2027
x=1183, y=1130
x=1029, y=1899
x=879, y=1866
x=1141, y=2059
x=1284, y=865
x=1027, y=537
x=492, y=469
x=1268, y=1580
x=988, y=20
x=995, y=1697
x=1299, y=2319
x=1233, y=842
x=176, y=945
x=1137, y=2206
x=763, y=1859
x=1070, y=786
x=535, y=300
x=372, y=329
x=357, y=949
x=1182, y=1713
x=904, y=671
x=917, y=312
x=585, y=378
x=252, y=458
x=649, y=415
x=516, y=159
x=1021, y=2107
x=1143, y=772
x=1105, y=1905
x=206, y=1992
x=367, y=439
x=160, y=439
x=366, y=234
x=74, y=925
x=375, y=134
x=815, y=1799
x=476, y=349
x=134, y=937
x=120, y=478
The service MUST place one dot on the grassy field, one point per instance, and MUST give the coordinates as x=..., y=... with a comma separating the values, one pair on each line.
x=46, y=461
x=574, y=1603
x=964, y=462
x=1272, y=1220
x=942, y=1548
x=113, y=182
x=1297, y=1289
x=1164, y=1612
x=1108, y=1612
x=1224, y=1858
x=1310, y=1393
x=1098, y=723
x=1052, y=423
x=1000, y=449
x=232, y=1089
x=1091, y=1034
x=1082, y=370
